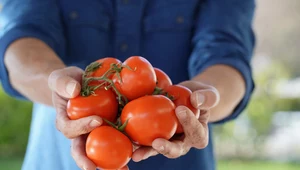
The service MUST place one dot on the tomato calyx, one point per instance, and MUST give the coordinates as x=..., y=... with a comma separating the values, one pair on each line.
x=160, y=91
x=92, y=68
x=119, y=126
x=105, y=81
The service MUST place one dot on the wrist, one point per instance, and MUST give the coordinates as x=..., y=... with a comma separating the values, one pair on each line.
x=231, y=86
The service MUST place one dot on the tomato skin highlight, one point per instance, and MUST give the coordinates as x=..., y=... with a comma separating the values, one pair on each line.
x=103, y=103
x=163, y=80
x=138, y=81
x=108, y=148
x=149, y=118
x=181, y=96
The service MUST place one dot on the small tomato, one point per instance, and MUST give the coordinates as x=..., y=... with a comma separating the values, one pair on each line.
x=102, y=103
x=108, y=148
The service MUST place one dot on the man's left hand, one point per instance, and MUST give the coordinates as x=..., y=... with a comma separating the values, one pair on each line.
x=196, y=132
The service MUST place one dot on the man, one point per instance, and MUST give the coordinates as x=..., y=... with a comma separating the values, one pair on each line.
x=205, y=45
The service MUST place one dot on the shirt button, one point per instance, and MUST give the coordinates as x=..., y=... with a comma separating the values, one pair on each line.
x=124, y=47
x=73, y=15
x=180, y=19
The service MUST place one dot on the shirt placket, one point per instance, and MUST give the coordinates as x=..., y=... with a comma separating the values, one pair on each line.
x=128, y=28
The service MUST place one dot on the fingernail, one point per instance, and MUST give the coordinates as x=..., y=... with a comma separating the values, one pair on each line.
x=200, y=99
x=71, y=88
x=95, y=123
x=181, y=114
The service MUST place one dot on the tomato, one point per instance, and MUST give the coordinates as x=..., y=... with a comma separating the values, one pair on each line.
x=139, y=80
x=103, y=103
x=181, y=96
x=163, y=80
x=105, y=64
x=108, y=148
x=124, y=168
x=149, y=117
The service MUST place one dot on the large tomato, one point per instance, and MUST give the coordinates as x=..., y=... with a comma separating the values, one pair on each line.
x=181, y=96
x=149, y=117
x=163, y=80
x=137, y=80
x=103, y=103
x=108, y=148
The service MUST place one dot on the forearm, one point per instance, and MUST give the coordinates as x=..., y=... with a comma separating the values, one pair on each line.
x=230, y=85
x=29, y=62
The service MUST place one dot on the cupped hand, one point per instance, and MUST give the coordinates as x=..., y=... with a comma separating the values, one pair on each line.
x=196, y=132
x=65, y=84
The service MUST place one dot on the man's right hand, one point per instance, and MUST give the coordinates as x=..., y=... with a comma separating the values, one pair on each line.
x=64, y=84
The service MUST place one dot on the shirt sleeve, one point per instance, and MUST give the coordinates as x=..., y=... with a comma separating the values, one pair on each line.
x=28, y=18
x=224, y=35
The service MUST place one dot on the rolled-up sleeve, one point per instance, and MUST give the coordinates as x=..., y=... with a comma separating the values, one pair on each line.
x=28, y=18
x=224, y=35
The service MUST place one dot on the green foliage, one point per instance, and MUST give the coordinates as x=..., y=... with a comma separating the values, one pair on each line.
x=15, y=116
x=248, y=165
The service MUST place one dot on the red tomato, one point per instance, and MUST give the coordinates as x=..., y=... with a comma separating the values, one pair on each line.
x=105, y=64
x=149, y=117
x=108, y=148
x=124, y=168
x=138, y=81
x=181, y=96
x=163, y=80
x=103, y=103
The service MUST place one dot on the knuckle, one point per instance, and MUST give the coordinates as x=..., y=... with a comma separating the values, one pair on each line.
x=84, y=129
x=166, y=153
x=68, y=135
x=185, y=122
x=62, y=127
x=193, y=133
x=202, y=144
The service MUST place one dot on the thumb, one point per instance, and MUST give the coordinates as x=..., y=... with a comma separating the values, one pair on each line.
x=204, y=96
x=205, y=99
x=65, y=82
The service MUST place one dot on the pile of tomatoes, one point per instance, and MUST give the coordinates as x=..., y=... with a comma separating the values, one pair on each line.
x=137, y=102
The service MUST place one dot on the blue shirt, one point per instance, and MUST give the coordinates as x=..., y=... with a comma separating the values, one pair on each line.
x=182, y=37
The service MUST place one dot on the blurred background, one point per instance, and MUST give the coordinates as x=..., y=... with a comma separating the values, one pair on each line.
x=265, y=137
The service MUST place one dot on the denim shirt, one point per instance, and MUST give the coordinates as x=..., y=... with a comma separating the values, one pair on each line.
x=182, y=37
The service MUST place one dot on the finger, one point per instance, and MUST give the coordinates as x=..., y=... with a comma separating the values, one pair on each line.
x=205, y=99
x=169, y=149
x=195, y=132
x=73, y=128
x=65, y=82
x=204, y=96
x=124, y=168
x=135, y=146
x=79, y=155
x=143, y=153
